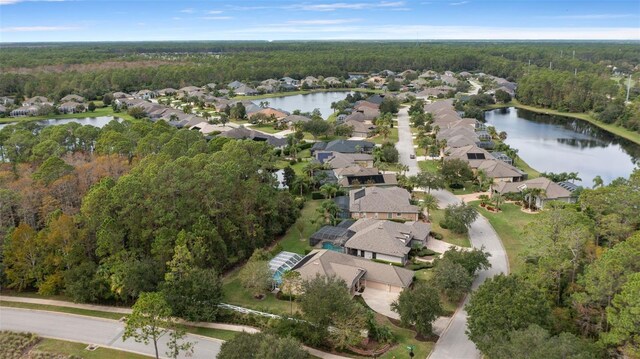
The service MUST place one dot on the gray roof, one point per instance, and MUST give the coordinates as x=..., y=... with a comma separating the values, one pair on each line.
x=383, y=200
x=386, y=237
x=350, y=268
x=349, y=146
x=552, y=190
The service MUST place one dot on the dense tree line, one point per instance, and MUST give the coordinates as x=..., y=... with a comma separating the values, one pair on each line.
x=104, y=214
x=577, y=285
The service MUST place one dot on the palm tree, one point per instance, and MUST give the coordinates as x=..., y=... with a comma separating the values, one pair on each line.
x=597, y=182
x=482, y=178
x=329, y=210
x=329, y=190
x=290, y=284
x=498, y=199
x=573, y=176
x=530, y=194
x=429, y=203
x=302, y=183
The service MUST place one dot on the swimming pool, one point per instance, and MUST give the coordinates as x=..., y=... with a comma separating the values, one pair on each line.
x=331, y=247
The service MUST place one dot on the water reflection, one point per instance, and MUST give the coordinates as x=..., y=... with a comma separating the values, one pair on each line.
x=306, y=103
x=560, y=144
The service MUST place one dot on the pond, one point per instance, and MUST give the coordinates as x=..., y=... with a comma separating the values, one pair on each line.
x=307, y=102
x=561, y=144
x=93, y=121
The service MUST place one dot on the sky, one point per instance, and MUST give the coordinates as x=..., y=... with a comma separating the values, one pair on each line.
x=146, y=20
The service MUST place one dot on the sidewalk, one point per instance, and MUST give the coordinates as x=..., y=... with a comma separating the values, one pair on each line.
x=110, y=309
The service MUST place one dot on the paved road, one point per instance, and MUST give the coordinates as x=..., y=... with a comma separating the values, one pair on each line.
x=405, y=142
x=103, y=332
x=453, y=342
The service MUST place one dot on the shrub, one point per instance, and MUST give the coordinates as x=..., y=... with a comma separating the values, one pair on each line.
x=292, y=162
x=387, y=262
x=317, y=195
x=443, y=224
x=437, y=235
x=419, y=266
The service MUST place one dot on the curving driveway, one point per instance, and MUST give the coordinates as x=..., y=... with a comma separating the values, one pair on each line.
x=453, y=342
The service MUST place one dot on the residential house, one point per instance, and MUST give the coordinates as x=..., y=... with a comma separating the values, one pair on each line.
x=335, y=160
x=551, y=191
x=243, y=133
x=382, y=203
x=235, y=85
x=31, y=110
x=310, y=82
x=332, y=82
x=449, y=80
x=291, y=120
x=36, y=101
x=118, y=95
x=386, y=240
x=146, y=94
x=289, y=81
x=72, y=107
x=344, y=146
x=358, y=273
x=269, y=112
x=3, y=109
x=72, y=97
x=361, y=129
x=245, y=90
x=502, y=172
x=167, y=91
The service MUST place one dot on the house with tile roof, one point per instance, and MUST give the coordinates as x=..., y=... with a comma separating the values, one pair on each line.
x=552, y=191
x=382, y=203
x=386, y=240
x=356, y=272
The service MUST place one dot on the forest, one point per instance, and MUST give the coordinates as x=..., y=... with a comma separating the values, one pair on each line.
x=579, y=287
x=544, y=70
x=96, y=213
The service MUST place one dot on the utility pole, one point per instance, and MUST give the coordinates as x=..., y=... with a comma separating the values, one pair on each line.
x=628, y=88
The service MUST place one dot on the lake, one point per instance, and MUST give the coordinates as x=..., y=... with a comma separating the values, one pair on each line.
x=561, y=144
x=306, y=103
x=93, y=121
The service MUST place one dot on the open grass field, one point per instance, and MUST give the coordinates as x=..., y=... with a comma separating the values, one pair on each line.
x=509, y=223
x=429, y=165
x=293, y=240
x=393, y=137
x=236, y=294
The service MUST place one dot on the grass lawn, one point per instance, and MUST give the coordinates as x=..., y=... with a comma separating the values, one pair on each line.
x=521, y=164
x=509, y=224
x=78, y=350
x=54, y=308
x=292, y=241
x=406, y=337
x=99, y=112
x=234, y=293
x=429, y=165
x=393, y=137
x=448, y=306
x=265, y=128
x=616, y=130
x=448, y=236
x=297, y=167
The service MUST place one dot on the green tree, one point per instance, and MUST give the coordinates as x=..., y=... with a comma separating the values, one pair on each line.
x=52, y=169
x=429, y=180
x=624, y=318
x=136, y=112
x=471, y=260
x=150, y=320
x=317, y=127
x=192, y=293
x=429, y=203
x=458, y=217
x=256, y=277
x=419, y=306
x=326, y=301
x=536, y=342
x=91, y=106
x=291, y=284
x=503, y=304
x=502, y=96
x=261, y=346
x=456, y=171
x=452, y=279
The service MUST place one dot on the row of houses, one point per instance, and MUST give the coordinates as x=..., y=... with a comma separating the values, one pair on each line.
x=468, y=140
x=32, y=106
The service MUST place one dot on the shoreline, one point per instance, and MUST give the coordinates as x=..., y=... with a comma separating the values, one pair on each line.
x=99, y=112
x=612, y=129
x=304, y=92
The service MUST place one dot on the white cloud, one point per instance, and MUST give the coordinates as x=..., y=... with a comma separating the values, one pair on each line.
x=589, y=16
x=347, y=6
x=216, y=17
x=37, y=28
x=214, y=12
x=322, y=21
x=187, y=11
x=458, y=3
x=425, y=32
